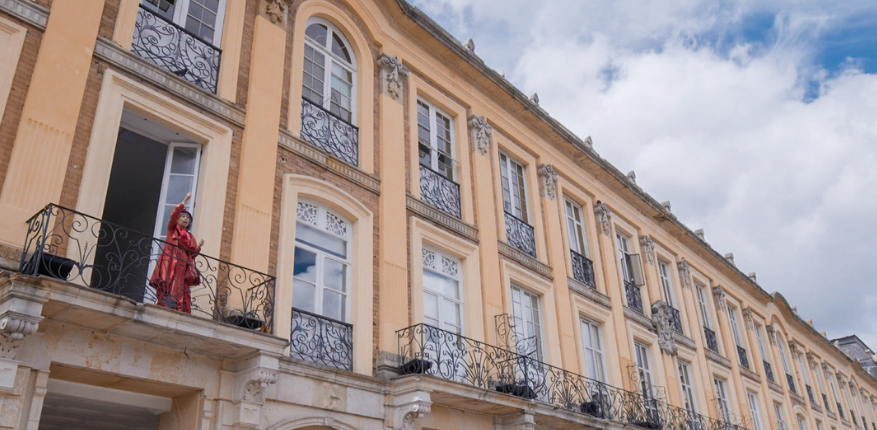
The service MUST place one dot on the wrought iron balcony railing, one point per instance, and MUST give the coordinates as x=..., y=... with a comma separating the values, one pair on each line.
x=676, y=319
x=329, y=132
x=840, y=411
x=68, y=245
x=711, y=342
x=175, y=49
x=520, y=235
x=741, y=354
x=440, y=192
x=853, y=415
x=321, y=340
x=431, y=351
x=791, y=381
x=825, y=402
x=768, y=371
x=810, y=393
x=634, y=296
x=583, y=269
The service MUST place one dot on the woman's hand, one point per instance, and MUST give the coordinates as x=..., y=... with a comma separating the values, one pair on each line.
x=201, y=243
x=186, y=199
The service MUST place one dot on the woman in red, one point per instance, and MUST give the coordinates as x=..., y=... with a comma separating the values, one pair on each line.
x=175, y=271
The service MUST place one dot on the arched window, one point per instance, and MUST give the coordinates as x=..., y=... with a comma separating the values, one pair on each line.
x=329, y=70
x=321, y=272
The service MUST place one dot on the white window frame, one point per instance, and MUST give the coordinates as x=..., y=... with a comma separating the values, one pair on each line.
x=781, y=421
x=575, y=228
x=328, y=59
x=753, y=409
x=782, y=349
x=722, y=399
x=508, y=164
x=520, y=322
x=181, y=15
x=800, y=359
x=702, y=304
x=829, y=377
x=735, y=327
x=322, y=213
x=666, y=282
x=447, y=266
x=594, y=356
x=160, y=223
x=760, y=340
x=433, y=114
x=801, y=424
x=644, y=370
x=631, y=266
x=687, y=385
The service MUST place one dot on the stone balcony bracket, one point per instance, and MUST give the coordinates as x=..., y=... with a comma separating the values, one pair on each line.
x=21, y=306
x=250, y=384
x=407, y=409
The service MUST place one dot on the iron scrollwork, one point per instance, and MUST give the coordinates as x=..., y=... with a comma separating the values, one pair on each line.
x=438, y=353
x=741, y=354
x=321, y=340
x=176, y=50
x=582, y=269
x=675, y=319
x=68, y=245
x=439, y=191
x=634, y=296
x=711, y=342
x=791, y=381
x=768, y=372
x=520, y=235
x=327, y=131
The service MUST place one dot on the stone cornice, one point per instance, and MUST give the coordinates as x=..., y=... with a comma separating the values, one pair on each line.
x=26, y=11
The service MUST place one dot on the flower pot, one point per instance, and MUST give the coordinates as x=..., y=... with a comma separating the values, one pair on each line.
x=416, y=366
x=518, y=390
x=50, y=265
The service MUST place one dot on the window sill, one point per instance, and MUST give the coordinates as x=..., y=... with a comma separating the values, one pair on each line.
x=525, y=260
x=589, y=293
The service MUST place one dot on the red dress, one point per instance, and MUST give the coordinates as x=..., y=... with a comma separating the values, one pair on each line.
x=169, y=277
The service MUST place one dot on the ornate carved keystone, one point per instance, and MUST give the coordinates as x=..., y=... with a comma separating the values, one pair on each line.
x=684, y=272
x=276, y=9
x=481, y=132
x=604, y=215
x=549, y=180
x=719, y=294
x=662, y=321
x=648, y=248
x=408, y=408
x=392, y=72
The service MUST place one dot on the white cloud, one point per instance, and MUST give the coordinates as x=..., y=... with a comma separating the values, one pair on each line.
x=724, y=133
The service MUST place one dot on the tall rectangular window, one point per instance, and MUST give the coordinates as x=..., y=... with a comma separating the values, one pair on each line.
x=593, y=344
x=442, y=295
x=781, y=422
x=687, y=386
x=528, y=322
x=575, y=228
x=735, y=327
x=514, y=188
x=666, y=282
x=803, y=368
x=753, y=410
x=435, y=139
x=760, y=341
x=701, y=303
x=722, y=399
x=830, y=378
x=644, y=369
x=203, y=18
x=801, y=425
x=782, y=349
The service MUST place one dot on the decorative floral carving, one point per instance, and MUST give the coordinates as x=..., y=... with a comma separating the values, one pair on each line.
x=684, y=272
x=17, y=328
x=306, y=212
x=719, y=294
x=481, y=133
x=748, y=317
x=661, y=320
x=604, y=215
x=393, y=71
x=275, y=9
x=449, y=267
x=428, y=259
x=648, y=248
x=254, y=389
x=336, y=225
x=771, y=334
x=549, y=180
x=9, y=347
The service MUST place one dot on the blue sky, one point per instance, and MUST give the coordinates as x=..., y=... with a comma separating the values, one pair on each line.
x=757, y=119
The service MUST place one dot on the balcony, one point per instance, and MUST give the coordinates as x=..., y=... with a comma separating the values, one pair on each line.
x=810, y=394
x=175, y=49
x=520, y=235
x=840, y=411
x=583, y=269
x=329, y=132
x=791, y=381
x=321, y=340
x=741, y=354
x=675, y=319
x=74, y=247
x=711, y=342
x=768, y=371
x=440, y=192
x=634, y=296
x=825, y=402
x=442, y=354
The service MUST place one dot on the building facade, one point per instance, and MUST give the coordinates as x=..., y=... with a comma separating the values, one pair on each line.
x=393, y=237
x=858, y=351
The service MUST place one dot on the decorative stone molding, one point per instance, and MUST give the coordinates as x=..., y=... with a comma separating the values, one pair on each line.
x=470, y=45
x=481, y=132
x=604, y=216
x=451, y=223
x=684, y=272
x=648, y=246
x=408, y=408
x=719, y=294
x=812, y=359
x=549, y=180
x=795, y=347
x=517, y=421
x=525, y=260
x=27, y=11
x=661, y=320
x=254, y=390
x=826, y=368
x=748, y=317
x=276, y=9
x=21, y=306
x=392, y=72
x=249, y=394
x=9, y=347
x=334, y=165
x=771, y=334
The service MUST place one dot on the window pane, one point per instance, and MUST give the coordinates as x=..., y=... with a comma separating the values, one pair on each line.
x=305, y=265
x=450, y=313
x=339, y=48
x=430, y=306
x=318, y=33
x=334, y=275
x=177, y=188
x=304, y=296
x=333, y=305
x=439, y=284
x=184, y=160
x=321, y=240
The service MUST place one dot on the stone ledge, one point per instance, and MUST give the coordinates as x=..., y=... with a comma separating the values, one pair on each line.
x=716, y=358
x=130, y=62
x=777, y=388
x=589, y=293
x=27, y=11
x=750, y=374
x=797, y=399
x=447, y=221
x=639, y=318
x=684, y=341
x=334, y=165
x=525, y=260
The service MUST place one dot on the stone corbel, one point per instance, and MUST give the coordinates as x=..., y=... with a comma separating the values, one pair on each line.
x=392, y=72
x=748, y=317
x=719, y=295
x=826, y=368
x=21, y=307
x=648, y=246
x=661, y=320
x=276, y=10
x=812, y=359
x=795, y=347
x=481, y=132
x=249, y=390
x=604, y=215
x=771, y=334
x=684, y=272
x=408, y=408
x=517, y=421
x=549, y=180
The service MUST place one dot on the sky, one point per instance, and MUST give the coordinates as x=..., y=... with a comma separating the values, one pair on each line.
x=756, y=119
